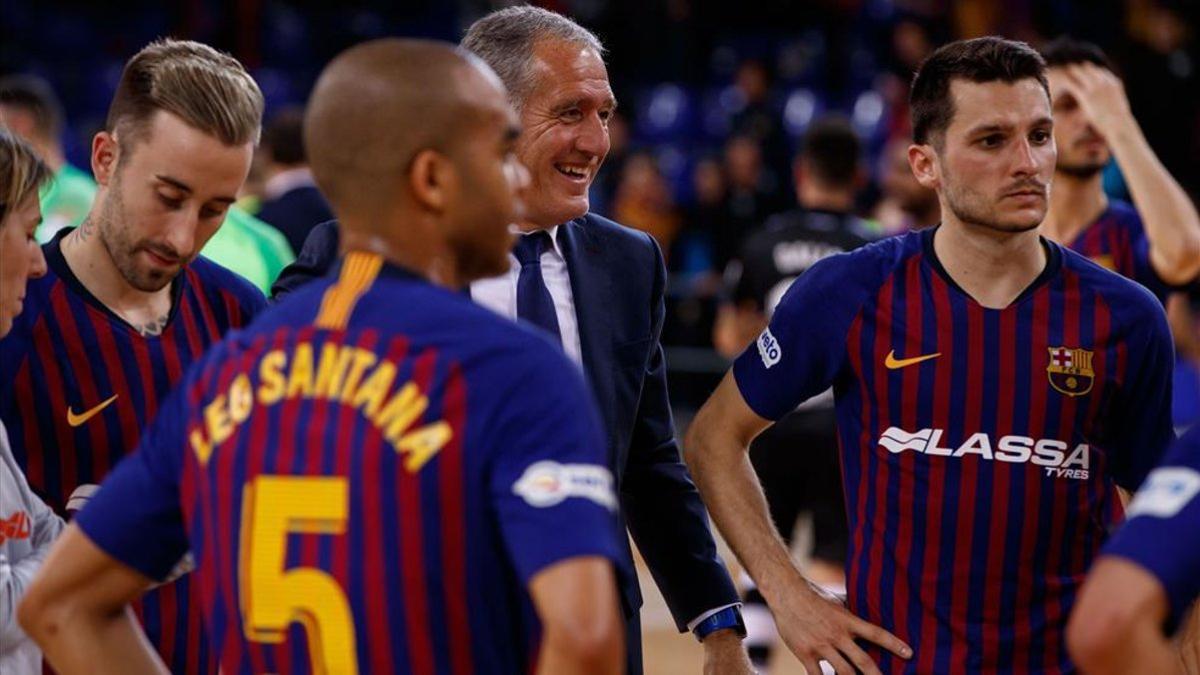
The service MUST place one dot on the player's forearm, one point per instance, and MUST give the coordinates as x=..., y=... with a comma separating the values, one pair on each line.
x=721, y=469
x=556, y=659
x=596, y=654
x=1140, y=648
x=1171, y=221
x=76, y=642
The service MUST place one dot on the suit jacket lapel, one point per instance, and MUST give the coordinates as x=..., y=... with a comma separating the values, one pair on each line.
x=591, y=289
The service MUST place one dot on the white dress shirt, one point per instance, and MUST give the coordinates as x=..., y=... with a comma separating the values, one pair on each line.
x=499, y=294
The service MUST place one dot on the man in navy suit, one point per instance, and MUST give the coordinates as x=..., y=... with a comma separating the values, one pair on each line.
x=291, y=201
x=599, y=288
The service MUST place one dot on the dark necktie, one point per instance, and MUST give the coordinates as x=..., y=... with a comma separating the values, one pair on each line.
x=534, y=303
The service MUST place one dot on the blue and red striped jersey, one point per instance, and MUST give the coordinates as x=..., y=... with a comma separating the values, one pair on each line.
x=1162, y=533
x=981, y=448
x=1117, y=241
x=368, y=477
x=80, y=384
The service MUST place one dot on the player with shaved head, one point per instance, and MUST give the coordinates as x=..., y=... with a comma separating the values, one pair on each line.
x=367, y=490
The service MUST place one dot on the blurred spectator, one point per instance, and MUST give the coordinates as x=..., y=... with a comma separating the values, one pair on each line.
x=290, y=200
x=759, y=119
x=29, y=107
x=906, y=204
x=752, y=196
x=911, y=42
x=643, y=201
x=705, y=216
x=1162, y=78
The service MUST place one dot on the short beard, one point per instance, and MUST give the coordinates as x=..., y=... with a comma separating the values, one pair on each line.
x=121, y=249
x=973, y=217
x=1080, y=171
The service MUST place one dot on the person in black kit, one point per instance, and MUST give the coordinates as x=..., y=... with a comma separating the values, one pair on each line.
x=796, y=460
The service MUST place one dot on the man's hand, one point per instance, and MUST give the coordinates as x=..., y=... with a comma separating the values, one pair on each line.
x=817, y=628
x=1171, y=221
x=724, y=654
x=1102, y=98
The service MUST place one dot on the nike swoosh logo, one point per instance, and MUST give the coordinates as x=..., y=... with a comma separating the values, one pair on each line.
x=75, y=420
x=893, y=363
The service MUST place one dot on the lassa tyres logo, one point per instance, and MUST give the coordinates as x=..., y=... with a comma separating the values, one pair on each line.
x=1057, y=457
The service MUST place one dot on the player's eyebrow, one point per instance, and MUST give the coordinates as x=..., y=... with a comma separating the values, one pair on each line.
x=990, y=129
x=173, y=182
x=1001, y=127
x=187, y=188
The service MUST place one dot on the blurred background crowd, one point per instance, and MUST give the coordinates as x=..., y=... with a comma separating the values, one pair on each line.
x=714, y=99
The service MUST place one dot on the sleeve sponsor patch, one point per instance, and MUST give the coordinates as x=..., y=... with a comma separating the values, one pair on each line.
x=548, y=483
x=768, y=349
x=1166, y=491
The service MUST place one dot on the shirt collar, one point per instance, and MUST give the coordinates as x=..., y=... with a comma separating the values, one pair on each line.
x=552, y=231
x=286, y=181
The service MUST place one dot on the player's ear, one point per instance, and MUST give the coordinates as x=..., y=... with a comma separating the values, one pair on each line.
x=429, y=179
x=106, y=154
x=922, y=159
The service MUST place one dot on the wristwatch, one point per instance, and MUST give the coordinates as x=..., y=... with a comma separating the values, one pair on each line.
x=730, y=617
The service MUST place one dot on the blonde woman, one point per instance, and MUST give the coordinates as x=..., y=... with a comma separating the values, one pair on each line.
x=27, y=525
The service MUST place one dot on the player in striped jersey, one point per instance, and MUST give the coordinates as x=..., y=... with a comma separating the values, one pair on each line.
x=378, y=476
x=126, y=306
x=1147, y=576
x=992, y=391
x=1158, y=243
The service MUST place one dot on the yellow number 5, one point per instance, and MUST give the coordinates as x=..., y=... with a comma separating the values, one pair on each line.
x=273, y=597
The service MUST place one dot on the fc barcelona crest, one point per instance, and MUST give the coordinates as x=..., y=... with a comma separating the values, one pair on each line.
x=1070, y=370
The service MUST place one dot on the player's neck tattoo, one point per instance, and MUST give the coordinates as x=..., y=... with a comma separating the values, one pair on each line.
x=85, y=230
x=153, y=328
